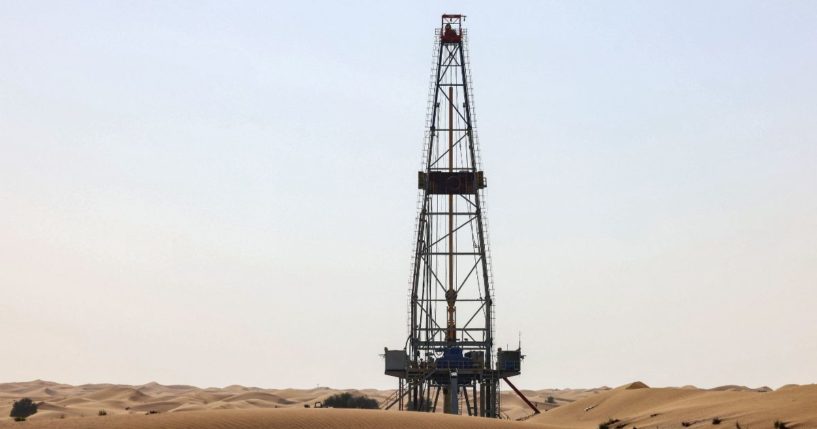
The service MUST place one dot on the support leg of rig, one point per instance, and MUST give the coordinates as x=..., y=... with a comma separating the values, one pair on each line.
x=453, y=391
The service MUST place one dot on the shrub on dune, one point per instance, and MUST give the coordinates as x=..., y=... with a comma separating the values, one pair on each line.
x=347, y=400
x=22, y=409
x=609, y=423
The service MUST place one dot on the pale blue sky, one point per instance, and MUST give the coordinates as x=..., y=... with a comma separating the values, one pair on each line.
x=218, y=193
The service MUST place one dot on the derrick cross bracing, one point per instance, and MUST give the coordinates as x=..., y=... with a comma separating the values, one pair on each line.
x=450, y=346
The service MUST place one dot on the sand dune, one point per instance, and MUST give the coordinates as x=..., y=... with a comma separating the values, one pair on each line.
x=670, y=407
x=264, y=396
x=292, y=418
x=122, y=393
x=62, y=400
x=546, y=399
x=634, y=405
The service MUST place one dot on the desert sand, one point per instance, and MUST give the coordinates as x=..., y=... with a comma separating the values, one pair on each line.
x=289, y=418
x=633, y=406
x=638, y=406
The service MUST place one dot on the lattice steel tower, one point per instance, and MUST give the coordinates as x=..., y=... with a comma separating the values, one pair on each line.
x=450, y=347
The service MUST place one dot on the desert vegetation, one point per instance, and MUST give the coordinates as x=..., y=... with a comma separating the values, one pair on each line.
x=348, y=400
x=608, y=424
x=22, y=409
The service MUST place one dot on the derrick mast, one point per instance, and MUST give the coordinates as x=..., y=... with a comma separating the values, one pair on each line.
x=449, y=351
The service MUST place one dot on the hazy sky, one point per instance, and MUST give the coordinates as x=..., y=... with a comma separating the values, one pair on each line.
x=225, y=192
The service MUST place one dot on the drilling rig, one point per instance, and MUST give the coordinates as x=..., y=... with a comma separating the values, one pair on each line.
x=450, y=345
